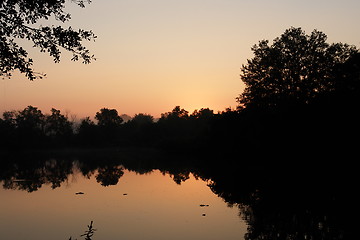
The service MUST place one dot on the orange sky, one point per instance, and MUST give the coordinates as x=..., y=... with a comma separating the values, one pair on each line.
x=154, y=55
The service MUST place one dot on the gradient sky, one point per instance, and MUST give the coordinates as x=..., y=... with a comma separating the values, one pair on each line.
x=155, y=54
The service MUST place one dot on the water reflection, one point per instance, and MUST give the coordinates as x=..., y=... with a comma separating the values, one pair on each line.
x=156, y=202
x=304, y=203
x=32, y=175
x=109, y=175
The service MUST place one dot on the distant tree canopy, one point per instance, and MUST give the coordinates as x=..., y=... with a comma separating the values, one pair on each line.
x=142, y=119
x=30, y=118
x=57, y=125
x=203, y=113
x=30, y=126
x=108, y=118
x=296, y=67
x=176, y=113
x=18, y=19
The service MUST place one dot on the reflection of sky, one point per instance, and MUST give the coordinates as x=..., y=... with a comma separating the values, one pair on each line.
x=155, y=207
x=154, y=55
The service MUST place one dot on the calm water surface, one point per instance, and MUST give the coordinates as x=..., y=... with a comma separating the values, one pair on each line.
x=139, y=206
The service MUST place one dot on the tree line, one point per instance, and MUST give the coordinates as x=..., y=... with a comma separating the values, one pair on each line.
x=302, y=95
x=30, y=127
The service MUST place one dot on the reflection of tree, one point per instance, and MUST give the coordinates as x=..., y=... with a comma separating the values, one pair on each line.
x=57, y=172
x=109, y=175
x=30, y=174
x=276, y=201
x=178, y=176
x=279, y=203
x=26, y=185
x=271, y=221
x=181, y=177
x=31, y=177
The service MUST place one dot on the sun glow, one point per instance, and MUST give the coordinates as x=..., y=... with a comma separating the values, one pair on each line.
x=154, y=56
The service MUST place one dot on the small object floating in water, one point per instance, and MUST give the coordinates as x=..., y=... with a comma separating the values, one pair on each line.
x=203, y=215
x=125, y=194
x=79, y=193
x=204, y=205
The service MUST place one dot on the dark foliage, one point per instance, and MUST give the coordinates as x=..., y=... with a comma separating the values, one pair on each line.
x=31, y=128
x=109, y=123
x=301, y=96
x=18, y=20
x=296, y=69
x=109, y=175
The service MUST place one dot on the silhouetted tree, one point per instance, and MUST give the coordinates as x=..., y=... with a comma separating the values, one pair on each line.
x=57, y=125
x=17, y=21
x=176, y=113
x=87, y=132
x=296, y=68
x=201, y=122
x=142, y=119
x=296, y=96
x=30, y=117
x=9, y=117
x=7, y=128
x=30, y=125
x=347, y=86
x=173, y=128
x=85, y=123
x=203, y=113
x=108, y=118
x=109, y=123
x=140, y=129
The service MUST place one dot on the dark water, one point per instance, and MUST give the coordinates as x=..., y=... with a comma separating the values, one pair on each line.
x=147, y=195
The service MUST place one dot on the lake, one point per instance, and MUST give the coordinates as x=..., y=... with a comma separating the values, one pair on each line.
x=46, y=203
x=146, y=194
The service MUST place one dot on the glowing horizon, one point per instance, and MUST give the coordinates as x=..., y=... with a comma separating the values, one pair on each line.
x=155, y=55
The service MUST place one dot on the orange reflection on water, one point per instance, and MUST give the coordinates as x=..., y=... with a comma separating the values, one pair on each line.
x=150, y=206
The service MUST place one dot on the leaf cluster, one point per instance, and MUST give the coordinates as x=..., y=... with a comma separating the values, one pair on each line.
x=18, y=20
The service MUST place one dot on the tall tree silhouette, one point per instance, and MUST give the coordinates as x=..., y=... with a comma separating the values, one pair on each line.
x=108, y=118
x=18, y=19
x=30, y=123
x=296, y=68
x=109, y=123
x=57, y=125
